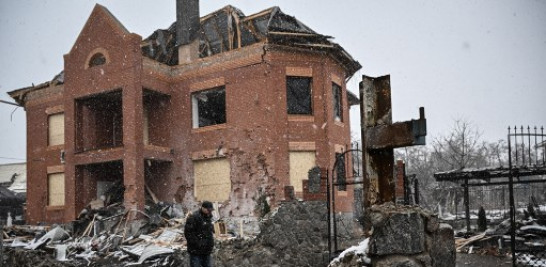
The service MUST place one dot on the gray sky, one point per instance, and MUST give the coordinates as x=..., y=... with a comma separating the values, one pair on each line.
x=484, y=61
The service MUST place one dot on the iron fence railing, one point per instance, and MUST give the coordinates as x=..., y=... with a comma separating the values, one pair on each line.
x=526, y=155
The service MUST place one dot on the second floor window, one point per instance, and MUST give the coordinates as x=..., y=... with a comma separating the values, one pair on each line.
x=55, y=129
x=338, y=105
x=209, y=107
x=298, y=95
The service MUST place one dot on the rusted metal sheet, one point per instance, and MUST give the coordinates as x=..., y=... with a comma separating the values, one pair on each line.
x=380, y=136
x=400, y=134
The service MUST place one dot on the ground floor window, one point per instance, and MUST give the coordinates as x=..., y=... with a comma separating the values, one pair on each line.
x=212, y=179
x=55, y=189
x=300, y=164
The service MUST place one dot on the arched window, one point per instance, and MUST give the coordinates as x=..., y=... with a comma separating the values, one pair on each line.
x=97, y=59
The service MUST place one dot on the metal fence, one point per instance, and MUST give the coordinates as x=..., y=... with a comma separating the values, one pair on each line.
x=527, y=166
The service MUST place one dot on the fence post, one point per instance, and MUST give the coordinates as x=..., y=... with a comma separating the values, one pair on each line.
x=467, y=205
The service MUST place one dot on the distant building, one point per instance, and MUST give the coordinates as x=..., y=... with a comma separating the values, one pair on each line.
x=13, y=178
x=226, y=107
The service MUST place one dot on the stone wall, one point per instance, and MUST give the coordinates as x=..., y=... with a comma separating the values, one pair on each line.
x=296, y=234
x=409, y=236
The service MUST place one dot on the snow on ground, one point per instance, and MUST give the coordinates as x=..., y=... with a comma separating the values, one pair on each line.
x=534, y=227
x=361, y=251
x=530, y=260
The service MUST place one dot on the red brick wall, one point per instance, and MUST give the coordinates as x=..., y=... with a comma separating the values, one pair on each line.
x=255, y=138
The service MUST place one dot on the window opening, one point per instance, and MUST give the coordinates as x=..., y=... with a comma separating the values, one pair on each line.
x=338, y=105
x=209, y=107
x=97, y=60
x=298, y=95
x=340, y=171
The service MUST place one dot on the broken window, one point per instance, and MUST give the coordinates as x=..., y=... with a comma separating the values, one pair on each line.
x=212, y=179
x=298, y=95
x=300, y=164
x=209, y=107
x=55, y=189
x=338, y=105
x=55, y=129
x=97, y=60
x=340, y=172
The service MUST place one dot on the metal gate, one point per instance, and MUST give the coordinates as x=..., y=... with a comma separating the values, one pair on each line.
x=527, y=166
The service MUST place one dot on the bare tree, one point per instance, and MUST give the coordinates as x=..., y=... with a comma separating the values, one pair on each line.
x=461, y=148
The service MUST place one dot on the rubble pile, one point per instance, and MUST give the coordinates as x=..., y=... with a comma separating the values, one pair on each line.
x=125, y=242
x=293, y=234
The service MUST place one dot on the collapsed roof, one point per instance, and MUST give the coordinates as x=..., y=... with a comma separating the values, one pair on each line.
x=228, y=29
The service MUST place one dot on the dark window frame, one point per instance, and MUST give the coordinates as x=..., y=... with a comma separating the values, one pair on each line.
x=341, y=171
x=97, y=60
x=337, y=98
x=211, y=107
x=299, y=95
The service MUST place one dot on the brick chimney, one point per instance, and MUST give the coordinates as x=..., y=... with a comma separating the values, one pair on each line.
x=187, y=30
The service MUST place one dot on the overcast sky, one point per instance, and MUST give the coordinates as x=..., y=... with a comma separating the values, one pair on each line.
x=483, y=61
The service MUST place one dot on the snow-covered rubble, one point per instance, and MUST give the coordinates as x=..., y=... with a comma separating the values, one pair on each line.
x=353, y=256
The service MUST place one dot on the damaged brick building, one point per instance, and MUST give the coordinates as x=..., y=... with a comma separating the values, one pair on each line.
x=224, y=107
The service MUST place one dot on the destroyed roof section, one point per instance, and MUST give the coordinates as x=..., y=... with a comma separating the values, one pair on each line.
x=20, y=95
x=228, y=28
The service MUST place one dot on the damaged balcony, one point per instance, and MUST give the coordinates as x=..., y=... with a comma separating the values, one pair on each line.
x=99, y=122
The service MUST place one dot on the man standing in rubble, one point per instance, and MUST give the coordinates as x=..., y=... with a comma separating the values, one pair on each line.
x=199, y=235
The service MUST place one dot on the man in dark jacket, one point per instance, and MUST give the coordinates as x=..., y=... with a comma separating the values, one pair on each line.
x=199, y=235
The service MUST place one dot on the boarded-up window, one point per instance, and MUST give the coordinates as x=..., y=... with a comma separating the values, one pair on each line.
x=212, y=179
x=209, y=107
x=300, y=164
x=55, y=189
x=338, y=105
x=298, y=95
x=55, y=129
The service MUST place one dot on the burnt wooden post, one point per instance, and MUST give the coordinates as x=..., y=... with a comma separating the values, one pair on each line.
x=380, y=136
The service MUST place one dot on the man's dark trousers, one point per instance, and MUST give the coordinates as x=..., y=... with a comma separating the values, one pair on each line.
x=197, y=260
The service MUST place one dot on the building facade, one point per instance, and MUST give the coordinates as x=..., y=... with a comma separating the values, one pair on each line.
x=233, y=110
